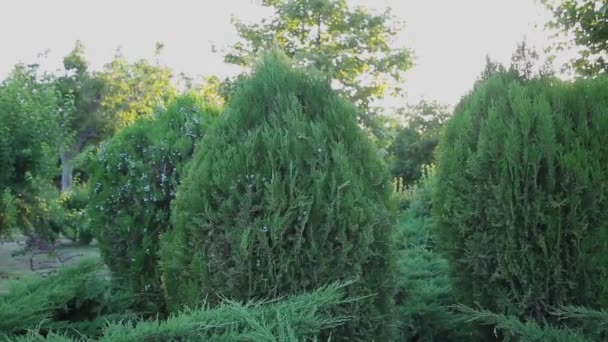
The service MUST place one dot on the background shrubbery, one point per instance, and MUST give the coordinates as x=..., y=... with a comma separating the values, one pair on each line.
x=69, y=214
x=77, y=301
x=133, y=182
x=80, y=303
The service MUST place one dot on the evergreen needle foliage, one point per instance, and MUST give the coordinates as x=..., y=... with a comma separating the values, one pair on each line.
x=574, y=323
x=78, y=300
x=424, y=291
x=301, y=317
x=296, y=318
x=287, y=195
x=134, y=182
x=509, y=328
x=33, y=336
x=522, y=195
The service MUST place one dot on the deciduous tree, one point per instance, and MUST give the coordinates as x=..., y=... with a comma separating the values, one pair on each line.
x=352, y=45
x=133, y=90
x=79, y=114
x=584, y=23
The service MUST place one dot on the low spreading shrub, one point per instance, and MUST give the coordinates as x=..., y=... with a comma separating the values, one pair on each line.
x=424, y=291
x=574, y=324
x=302, y=317
x=33, y=336
x=76, y=301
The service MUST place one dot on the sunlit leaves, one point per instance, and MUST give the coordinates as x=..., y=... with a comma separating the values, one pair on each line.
x=134, y=90
x=352, y=45
x=585, y=25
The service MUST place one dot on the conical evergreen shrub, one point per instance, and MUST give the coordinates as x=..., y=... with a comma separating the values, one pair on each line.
x=288, y=195
x=134, y=181
x=522, y=195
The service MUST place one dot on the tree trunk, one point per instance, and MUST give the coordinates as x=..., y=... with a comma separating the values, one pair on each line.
x=66, y=172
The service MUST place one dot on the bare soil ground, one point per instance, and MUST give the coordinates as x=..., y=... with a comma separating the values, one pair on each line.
x=17, y=266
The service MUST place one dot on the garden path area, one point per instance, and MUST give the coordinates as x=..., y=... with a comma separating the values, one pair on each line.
x=18, y=266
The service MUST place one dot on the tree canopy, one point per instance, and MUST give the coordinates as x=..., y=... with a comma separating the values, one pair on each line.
x=353, y=46
x=28, y=144
x=79, y=114
x=133, y=90
x=585, y=25
x=28, y=130
x=415, y=144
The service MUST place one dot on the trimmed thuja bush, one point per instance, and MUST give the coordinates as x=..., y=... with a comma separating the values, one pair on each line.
x=134, y=181
x=288, y=195
x=522, y=195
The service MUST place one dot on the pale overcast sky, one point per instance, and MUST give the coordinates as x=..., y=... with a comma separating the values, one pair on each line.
x=450, y=38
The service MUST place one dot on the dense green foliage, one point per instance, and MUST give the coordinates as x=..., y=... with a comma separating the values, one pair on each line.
x=79, y=115
x=33, y=336
x=287, y=195
x=521, y=195
x=425, y=293
x=32, y=210
x=28, y=142
x=49, y=119
x=275, y=221
x=70, y=214
x=301, y=317
x=589, y=325
x=77, y=301
x=134, y=181
x=414, y=146
x=28, y=134
x=134, y=90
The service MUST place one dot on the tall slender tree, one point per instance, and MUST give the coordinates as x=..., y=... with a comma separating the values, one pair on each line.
x=133, y=90
x=79, y=114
